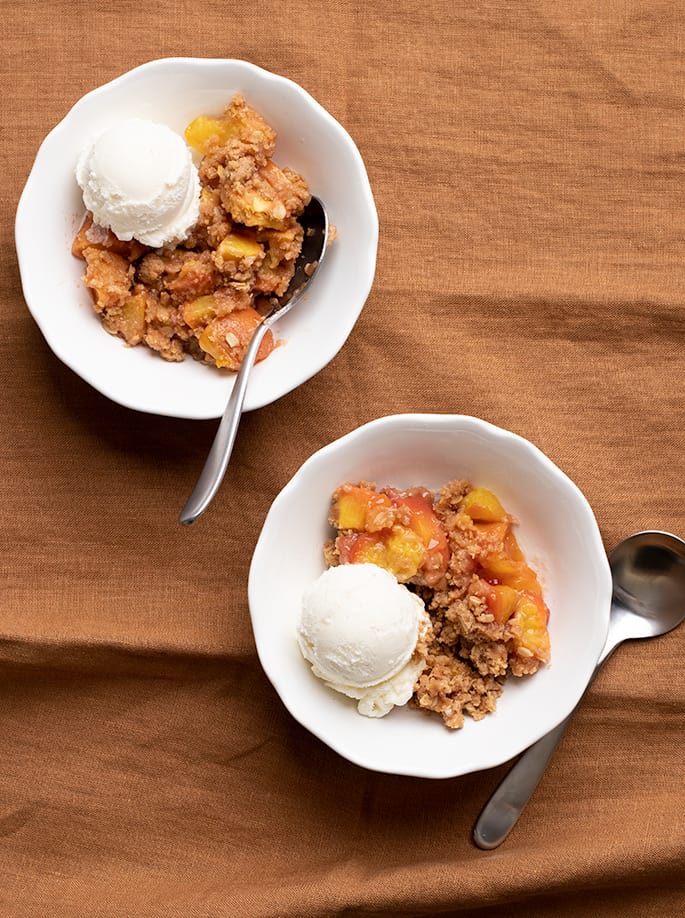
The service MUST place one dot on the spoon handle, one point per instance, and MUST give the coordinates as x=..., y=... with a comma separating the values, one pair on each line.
x=503, y=809
x=217, y=461
x=500, y=814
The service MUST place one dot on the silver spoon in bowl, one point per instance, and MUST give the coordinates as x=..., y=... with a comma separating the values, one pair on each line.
x=648, y=572
x=314, y=221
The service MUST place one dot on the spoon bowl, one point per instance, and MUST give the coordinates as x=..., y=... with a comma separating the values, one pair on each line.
x=314, y=221
x=648, y=573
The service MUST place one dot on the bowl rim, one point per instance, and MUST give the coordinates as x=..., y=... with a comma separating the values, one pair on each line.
x=23, y=238
x=429, y=421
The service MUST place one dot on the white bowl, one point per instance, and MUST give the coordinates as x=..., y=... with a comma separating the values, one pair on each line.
x=174, y=91
x=557, y=531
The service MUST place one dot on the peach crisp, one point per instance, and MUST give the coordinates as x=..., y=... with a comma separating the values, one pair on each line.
x=205, y=295
x=458, y=551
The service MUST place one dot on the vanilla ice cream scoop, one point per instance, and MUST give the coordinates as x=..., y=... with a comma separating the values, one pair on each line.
x=139, y=180
x=359, y=629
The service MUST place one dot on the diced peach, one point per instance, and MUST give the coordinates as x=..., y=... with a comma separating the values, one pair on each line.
x=359, y=548
x=501, y=569
x=404, y=534
x=528, y=580
x=202, y=129
x=258, y=209
x=351, y=512
x=91, y=235
x=196, y=277
x=204, y=309
x=528, y=624
x=238, y=122
x=406, y=553
x=491, y=536
x=501, y=601
x=199, y=311
x=236, y=247
x=81, y=240
x=401, y=551
x=511, y=547
x=516, y=574
x=424, y=522
x=358, y=507
x=483, y=506
x=226, y=338
x=132, y=325
x=261, y=201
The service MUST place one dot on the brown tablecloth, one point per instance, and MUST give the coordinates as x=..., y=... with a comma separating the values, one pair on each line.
x=528, y=164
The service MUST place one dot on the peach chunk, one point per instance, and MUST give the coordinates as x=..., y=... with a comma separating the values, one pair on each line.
x=501, y=600
x=132, y=325
x=237, y=247
x=511, y=548
x=226, y=338
x=516, y=574
x=203, y=129
x=200, y=311
x=429, y=529
x=501, y=559
x=95, y=236
x=528, y=625
x=397, y=530
x=483, y=506
x=358, y=507
x=268, y=198
x=239, y=122
x=196, y=277
x=399, y=551
x=491, y=537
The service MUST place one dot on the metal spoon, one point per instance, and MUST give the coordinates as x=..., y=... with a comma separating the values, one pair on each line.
x=314, y=220
x=648, y=571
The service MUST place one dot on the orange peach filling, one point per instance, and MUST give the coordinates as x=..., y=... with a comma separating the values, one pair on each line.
x=397, y=530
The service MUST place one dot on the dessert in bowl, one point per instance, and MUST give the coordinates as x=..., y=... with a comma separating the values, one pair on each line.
x=556, y=532
x=173, y=93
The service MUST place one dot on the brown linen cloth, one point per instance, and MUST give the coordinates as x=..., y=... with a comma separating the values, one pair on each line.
x=528, y=164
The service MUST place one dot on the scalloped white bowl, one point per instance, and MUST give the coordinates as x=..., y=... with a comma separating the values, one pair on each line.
x=174, y=91
x=557, y=530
